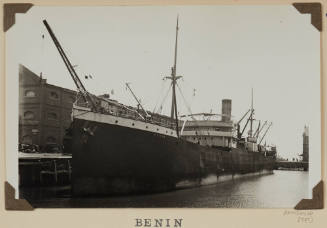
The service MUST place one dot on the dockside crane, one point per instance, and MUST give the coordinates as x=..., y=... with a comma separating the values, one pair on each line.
x=80, y=87
x=265, y=133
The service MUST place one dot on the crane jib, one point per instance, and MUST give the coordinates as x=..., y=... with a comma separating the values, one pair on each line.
x=87, y=97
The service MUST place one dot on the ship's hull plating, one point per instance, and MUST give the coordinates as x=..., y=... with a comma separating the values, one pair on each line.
x=112, y=159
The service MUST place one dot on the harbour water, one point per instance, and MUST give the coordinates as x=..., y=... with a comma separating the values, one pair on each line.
x=283, y=189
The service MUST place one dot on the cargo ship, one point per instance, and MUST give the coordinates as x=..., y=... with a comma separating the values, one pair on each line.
x=119, y=149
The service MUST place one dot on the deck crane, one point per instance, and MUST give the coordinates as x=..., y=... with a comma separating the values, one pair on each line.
x=265, y=133
x=80, y=87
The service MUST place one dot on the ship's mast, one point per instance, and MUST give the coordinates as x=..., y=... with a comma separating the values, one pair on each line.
x=174, y=79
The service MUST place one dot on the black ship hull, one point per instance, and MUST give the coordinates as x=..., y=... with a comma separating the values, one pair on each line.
x=111, y=159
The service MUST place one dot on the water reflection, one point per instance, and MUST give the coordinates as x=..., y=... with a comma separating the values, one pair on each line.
x=283, y=189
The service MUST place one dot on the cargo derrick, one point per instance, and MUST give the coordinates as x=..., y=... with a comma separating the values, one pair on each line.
x=261, y=128
x=264, y=135
x=146, y=114
x=252, y=142
x=256, y=131
x=239, y=133
x=239, y=126
x=80, y=87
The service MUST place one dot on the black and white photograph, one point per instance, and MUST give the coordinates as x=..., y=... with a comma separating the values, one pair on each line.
x=195, y=106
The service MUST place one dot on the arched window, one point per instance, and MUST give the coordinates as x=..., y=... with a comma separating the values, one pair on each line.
x=28, y=115
x=30, y=93
x=52, y=116
x=51, y=139
x=54, y=95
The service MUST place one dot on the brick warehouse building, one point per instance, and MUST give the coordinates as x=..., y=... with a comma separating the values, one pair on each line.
x=44, y=109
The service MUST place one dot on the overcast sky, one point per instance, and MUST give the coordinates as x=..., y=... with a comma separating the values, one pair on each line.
x=223, y=52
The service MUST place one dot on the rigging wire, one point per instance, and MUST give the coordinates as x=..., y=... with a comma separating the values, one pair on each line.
x=190, y=111
x=186, y=103
x=42, y=56
x=161, y=91
x=164, y=100
x=189, y=87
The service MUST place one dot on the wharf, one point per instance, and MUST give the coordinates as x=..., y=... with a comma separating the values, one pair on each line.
x=44, y=168
x=291, y=165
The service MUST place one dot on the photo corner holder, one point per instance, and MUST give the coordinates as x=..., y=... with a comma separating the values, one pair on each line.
x=15, y=204
x=317, y=201
x=9, y=11
x=313, y=8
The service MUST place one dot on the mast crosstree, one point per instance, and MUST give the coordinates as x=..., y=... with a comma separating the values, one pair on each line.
x=174, y=79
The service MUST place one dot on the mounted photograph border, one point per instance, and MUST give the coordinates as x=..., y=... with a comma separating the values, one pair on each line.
x=317, y=10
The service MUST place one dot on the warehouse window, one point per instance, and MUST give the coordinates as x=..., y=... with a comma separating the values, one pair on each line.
x=28, y=115
x=52, y=116
x=51, y=139
x=27, y=139
x=30, y=93
x=54, y=95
